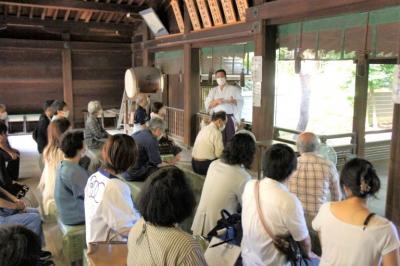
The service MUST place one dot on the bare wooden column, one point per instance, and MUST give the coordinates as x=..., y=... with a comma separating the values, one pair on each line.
x=67, y=79
x=191, y=87
x=148, y=57
x=263, y=116
x=393, y=195
x=360, y=109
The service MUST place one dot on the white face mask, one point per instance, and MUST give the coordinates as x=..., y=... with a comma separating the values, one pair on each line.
x=221, y=81
x=222, y=128
x=66, y=114
x=3, y=116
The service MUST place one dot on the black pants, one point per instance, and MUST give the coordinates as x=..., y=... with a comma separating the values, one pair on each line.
x=10, y=172
x=201, y=167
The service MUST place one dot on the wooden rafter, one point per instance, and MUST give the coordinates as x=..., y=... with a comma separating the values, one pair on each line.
x=66, y=15
x=76, y=5
x=66, y=25
x=55, y=14
x=110, y=16
x=287, y=11
x=43, y=16
x=18, y=11
x=88, y=16
x=31, y=12
x=78, y=15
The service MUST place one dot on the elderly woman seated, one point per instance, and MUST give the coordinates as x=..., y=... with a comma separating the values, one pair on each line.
x=95, y=135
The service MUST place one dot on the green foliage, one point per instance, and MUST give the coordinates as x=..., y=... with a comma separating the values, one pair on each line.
x=380, y=76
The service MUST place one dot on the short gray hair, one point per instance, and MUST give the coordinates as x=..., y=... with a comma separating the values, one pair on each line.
x=156, y=123
x=93, y=107
x=308, y=144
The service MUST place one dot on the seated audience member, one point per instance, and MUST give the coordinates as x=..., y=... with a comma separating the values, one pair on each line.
x=3, y=113
x=9, y=166
x=20, y=246
x=315, y=180
x=71, y=180
x=40, y=133
x=9, y=154
x=140, y=117
x=52, y=156
x=350, y=233
x=208, y=145
x=108, y=201
x=149, y=158
x=165, y=201
x=281, y=210
x=14, y=212
x=95, y=135
x=158, y=110
x=225, y=182
x=61, y=110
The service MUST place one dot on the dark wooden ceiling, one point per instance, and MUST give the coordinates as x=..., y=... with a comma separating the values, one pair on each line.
x=113, y=20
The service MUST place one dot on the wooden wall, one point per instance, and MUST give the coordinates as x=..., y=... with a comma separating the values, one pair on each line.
x=29, y=77
x=98, y=75
x=31, y=72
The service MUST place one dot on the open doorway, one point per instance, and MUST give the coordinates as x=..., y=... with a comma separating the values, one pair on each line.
x=378, y=127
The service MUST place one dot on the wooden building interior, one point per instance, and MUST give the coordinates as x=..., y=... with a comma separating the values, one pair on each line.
x=79, y=50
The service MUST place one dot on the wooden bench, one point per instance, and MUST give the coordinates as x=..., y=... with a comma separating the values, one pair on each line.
x=74, y=241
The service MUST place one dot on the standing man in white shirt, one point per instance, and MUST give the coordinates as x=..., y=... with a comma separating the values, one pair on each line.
x=208, y=145
x=227, y=98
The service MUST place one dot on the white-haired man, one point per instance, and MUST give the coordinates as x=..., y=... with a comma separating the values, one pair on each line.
x=314, y=180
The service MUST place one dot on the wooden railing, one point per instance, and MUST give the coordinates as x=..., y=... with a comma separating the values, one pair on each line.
x=174, y=121
x=379, y=149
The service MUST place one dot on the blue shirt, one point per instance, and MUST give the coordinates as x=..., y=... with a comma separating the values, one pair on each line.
x=149, y=156
x=69, y=192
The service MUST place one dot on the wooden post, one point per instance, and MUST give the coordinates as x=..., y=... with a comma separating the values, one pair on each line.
x=148, y=57
x=191, y=88
x=263, y=116
x=393, y=195
x=360, y=108
x=67, y=79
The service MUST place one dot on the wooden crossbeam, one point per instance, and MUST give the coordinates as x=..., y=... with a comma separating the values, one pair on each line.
x=67, y=25
x=287, y=11
x=76, y=5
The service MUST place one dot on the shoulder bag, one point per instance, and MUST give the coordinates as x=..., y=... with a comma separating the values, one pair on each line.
x=286, y=243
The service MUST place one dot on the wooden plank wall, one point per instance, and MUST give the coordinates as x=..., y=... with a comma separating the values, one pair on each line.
x=98, y=75
x=29, y=77
x=31, y=73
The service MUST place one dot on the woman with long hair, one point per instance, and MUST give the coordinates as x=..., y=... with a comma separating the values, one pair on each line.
x=52, y=156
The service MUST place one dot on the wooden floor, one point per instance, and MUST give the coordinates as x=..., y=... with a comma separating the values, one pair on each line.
x=30, y=175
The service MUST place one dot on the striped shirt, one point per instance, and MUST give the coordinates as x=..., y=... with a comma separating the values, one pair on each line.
x=157, y=245
x=314, y=180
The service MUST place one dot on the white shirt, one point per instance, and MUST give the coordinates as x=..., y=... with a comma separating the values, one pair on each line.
x=222, y=189
x=226, y=93
x=108, y=205
x=282, y=212
x=208, y=144
x=350, y=245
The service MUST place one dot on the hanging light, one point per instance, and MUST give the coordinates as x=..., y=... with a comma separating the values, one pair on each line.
x=297, y=53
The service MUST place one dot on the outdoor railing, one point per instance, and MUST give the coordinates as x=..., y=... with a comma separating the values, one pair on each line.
x=377, y=144
x=174, y=121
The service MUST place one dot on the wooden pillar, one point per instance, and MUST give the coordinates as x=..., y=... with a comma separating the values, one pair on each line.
x=360, y=108
x=263, y=116
x=393, y=195
x=67, y=79
x=191, y=88
x=148, y=57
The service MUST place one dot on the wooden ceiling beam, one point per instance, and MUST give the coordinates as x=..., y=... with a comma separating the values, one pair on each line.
x=43, y=16
x=55, y=14
x=66, y=16
x=18, y=11
x=67, y=25
x=76, y=5
x=31, y=12
x=288, y=11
